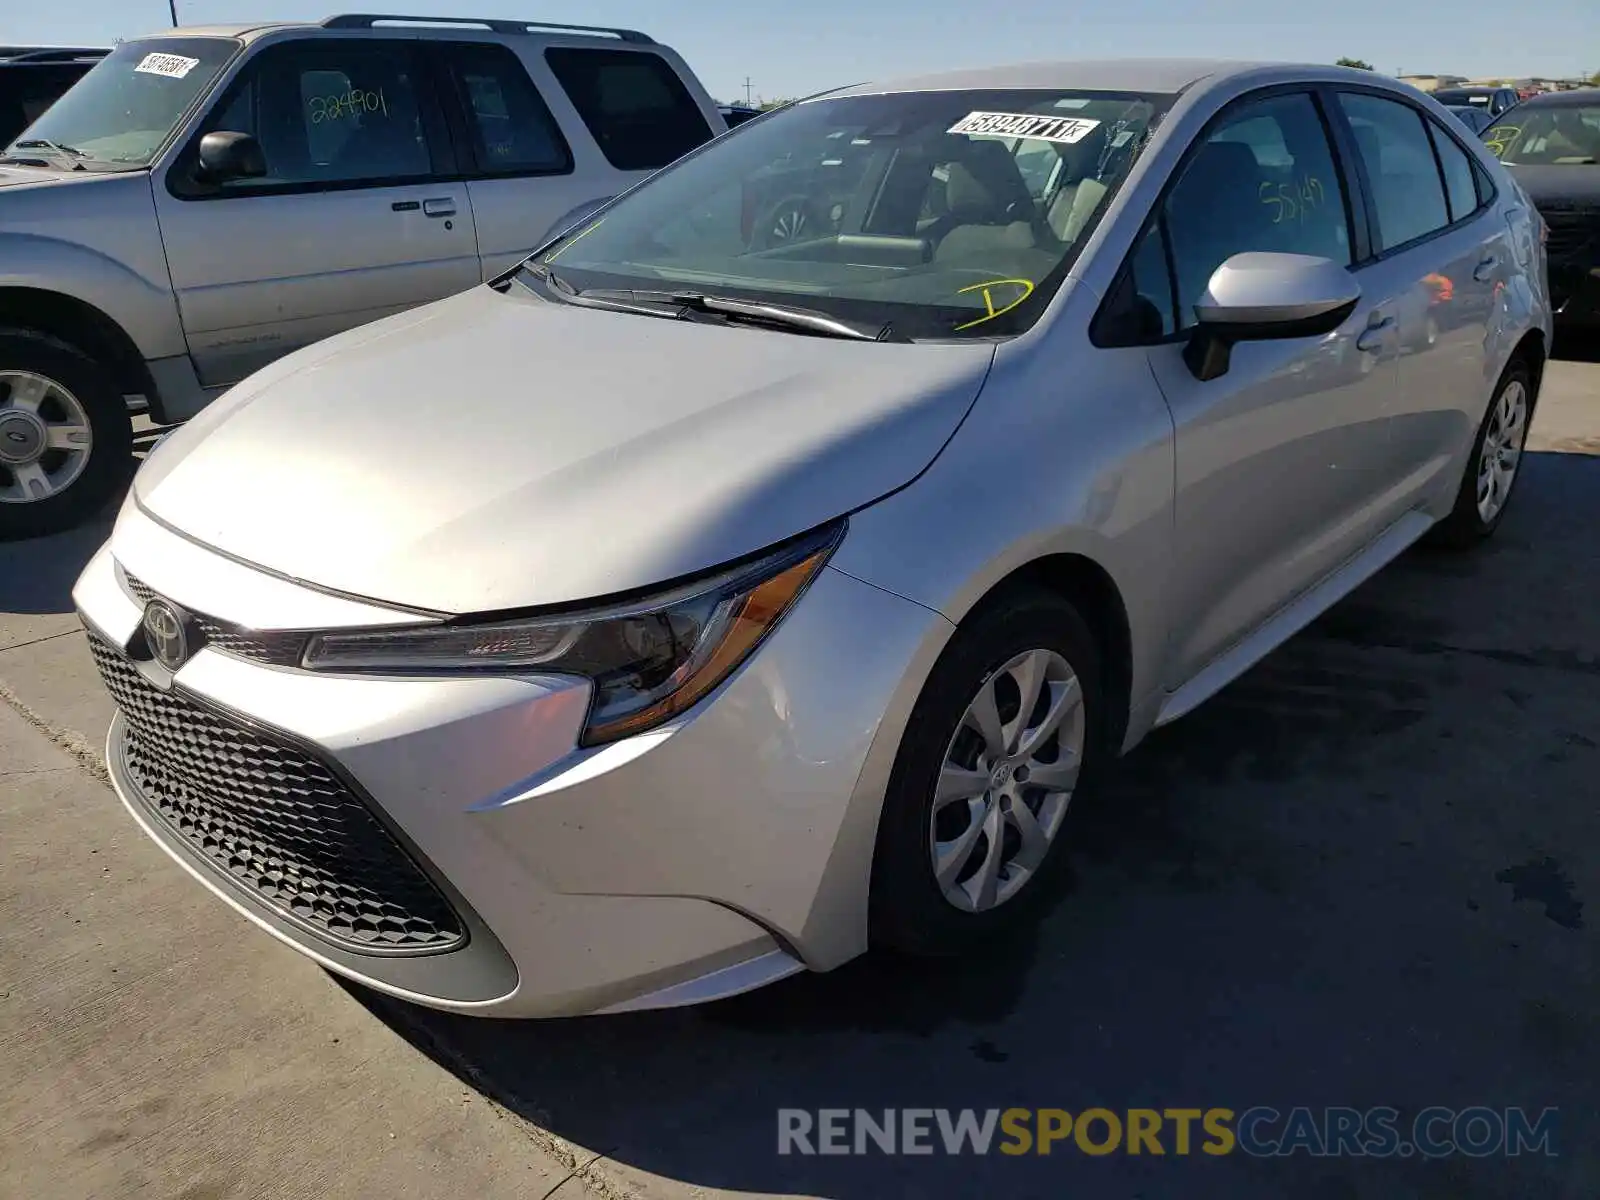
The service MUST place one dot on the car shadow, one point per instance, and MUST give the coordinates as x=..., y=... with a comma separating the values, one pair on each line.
x=1286, y=898
x=1577, y=346
x=37, y=574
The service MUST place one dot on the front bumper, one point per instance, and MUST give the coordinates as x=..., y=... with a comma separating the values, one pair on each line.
x=704, y=858
x=1574, y=258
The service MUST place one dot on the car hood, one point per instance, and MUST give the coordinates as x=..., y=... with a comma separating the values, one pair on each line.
x=1573, y=185
x=16, y=177
x=497, y=451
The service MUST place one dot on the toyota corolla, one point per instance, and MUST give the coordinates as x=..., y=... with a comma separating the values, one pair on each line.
x=749, y=579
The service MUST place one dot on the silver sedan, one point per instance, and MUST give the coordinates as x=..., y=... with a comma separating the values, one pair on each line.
x=769, y=566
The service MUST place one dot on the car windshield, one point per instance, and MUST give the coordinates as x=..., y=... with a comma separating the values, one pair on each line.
x=122, y=112
x=941, y=214
x=1548, y=134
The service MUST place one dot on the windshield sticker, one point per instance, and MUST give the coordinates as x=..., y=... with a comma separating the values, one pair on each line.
x=1023, y=288
x=169, y=66
x=1066, y=130
x=1074, y=102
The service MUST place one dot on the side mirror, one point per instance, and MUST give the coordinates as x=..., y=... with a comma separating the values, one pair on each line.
x=225, y=155
x=1260, y=297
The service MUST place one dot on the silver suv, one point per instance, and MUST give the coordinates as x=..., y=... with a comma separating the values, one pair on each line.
x=208, y=200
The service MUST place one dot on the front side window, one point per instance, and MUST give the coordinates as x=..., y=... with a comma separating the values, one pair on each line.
x=633, y=103
x=120, y=114
x=329, y=113
x=927, y=210
x=1262, y=180
x=512, y=131
x=1548, y=135
x=1401, y=170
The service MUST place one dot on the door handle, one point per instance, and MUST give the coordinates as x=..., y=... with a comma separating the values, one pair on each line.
x=1485, y=269
x=1371, y=339
x=439, y=207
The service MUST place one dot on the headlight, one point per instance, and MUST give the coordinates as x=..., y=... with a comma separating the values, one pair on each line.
x=648, y=661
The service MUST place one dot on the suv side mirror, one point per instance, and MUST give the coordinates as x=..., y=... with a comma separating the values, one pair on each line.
x=225, y=155
x=1261, y=297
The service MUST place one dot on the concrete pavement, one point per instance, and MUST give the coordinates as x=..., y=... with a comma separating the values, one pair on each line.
x=1365, y=874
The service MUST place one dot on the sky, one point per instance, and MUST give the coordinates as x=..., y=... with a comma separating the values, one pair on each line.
x=790, y=49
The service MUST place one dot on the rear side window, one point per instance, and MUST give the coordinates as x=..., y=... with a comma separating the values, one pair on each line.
x=510, y=130
x=1460, y=189
x=1401, y=170
x=633, y=103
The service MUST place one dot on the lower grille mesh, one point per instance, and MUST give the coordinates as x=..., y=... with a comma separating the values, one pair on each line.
x=276, y=820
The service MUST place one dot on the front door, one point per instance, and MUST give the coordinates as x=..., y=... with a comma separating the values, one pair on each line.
x=1277, y=460
x=351, y=222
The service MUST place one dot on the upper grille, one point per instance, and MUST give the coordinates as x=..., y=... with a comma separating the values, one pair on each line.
x=280, y=649
x=276, y=820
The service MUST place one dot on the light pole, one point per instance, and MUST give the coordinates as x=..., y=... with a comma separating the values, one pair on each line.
x=172, y=7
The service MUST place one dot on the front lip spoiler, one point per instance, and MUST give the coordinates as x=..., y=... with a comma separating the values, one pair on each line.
x=716, y=985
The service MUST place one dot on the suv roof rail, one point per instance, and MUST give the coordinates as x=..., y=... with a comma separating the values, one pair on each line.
x=371, y=20
x=49, y=54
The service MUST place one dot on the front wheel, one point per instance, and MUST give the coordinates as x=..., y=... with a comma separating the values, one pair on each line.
x=1007, y=732
x=1494, y=464
x=65, y=439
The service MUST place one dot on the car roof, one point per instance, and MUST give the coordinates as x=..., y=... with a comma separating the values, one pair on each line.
x=1161, y=75
x=412, y=24
x=1585, y=96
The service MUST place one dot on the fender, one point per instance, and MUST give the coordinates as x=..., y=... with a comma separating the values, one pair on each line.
x=146, y=310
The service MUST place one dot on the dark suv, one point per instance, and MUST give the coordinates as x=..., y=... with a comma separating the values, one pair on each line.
x=32, y=77
x=1552, y=145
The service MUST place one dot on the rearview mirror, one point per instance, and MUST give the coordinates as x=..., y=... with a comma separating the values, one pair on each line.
x=1261, y=296
x=225, y=155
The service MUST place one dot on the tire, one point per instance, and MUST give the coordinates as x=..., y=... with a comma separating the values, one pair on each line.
x=50, y=391
x=910, y=909
x=1468, y=522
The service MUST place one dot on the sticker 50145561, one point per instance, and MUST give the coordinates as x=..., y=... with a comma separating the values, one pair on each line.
x=1026, y=125
x=173, y=66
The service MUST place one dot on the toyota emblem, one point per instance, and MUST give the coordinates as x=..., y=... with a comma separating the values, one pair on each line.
x=166, y=629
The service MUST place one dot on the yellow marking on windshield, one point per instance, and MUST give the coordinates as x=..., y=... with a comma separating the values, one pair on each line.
x=555, y=254
x=988, y=298
x=1498, y=138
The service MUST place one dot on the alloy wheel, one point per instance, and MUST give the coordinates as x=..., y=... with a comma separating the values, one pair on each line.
x=1007, y=778
x=1501, y=455
x=45, y=437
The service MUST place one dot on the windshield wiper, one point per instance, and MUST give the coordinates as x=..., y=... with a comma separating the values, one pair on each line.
x=70, y=152
x=47, y=144
x=676, y=304
x=757, y=312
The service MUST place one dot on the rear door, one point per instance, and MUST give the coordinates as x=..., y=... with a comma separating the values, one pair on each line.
x=1440, y=255
x=360, y=214
x=522, y=172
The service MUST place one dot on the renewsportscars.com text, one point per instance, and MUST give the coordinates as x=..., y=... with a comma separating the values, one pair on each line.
x=1263, y=1132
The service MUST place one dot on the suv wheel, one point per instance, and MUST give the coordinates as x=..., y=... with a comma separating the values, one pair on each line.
x=1008, y=732
x=65, y=439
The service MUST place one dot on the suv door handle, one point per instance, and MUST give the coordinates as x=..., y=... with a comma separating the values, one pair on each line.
x=1484, y=271
x=439, y=207
x=1371, y=339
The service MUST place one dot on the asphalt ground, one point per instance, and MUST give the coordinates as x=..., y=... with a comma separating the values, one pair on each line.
x=1362, y=876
